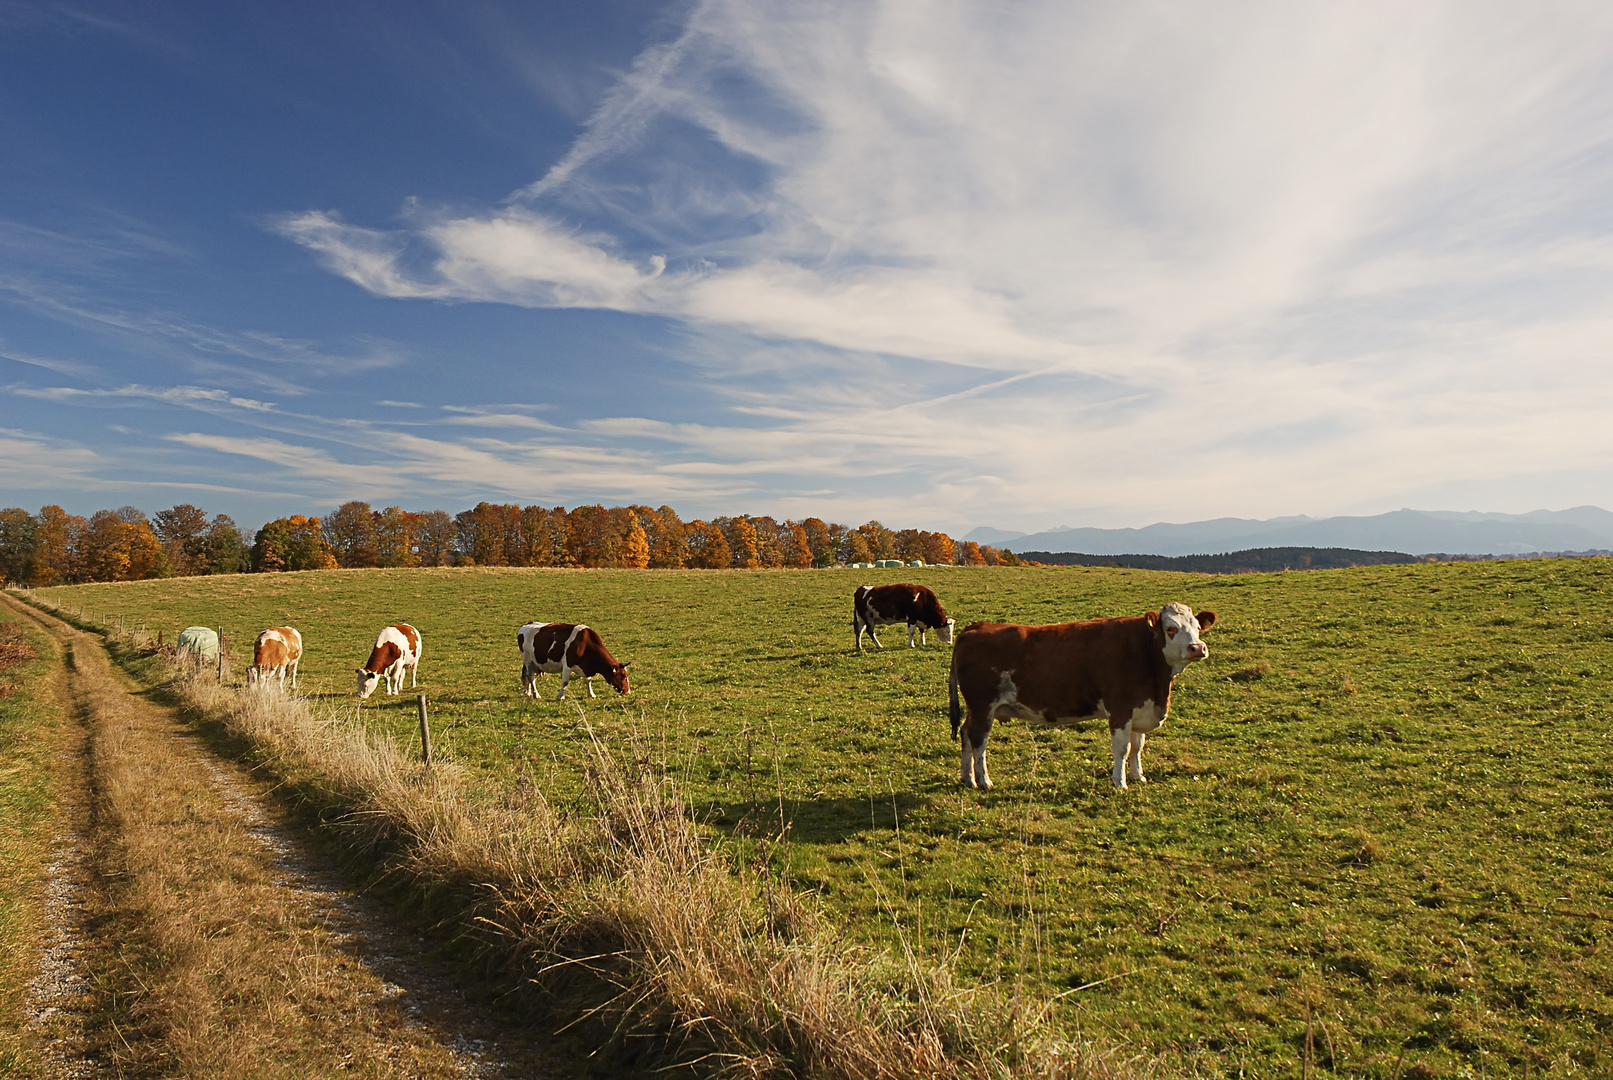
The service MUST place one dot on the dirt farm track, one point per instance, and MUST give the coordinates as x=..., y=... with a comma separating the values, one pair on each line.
x=191, y=930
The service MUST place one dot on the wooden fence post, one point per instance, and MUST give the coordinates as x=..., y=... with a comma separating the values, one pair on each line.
x=221, y=654
x=425, y=731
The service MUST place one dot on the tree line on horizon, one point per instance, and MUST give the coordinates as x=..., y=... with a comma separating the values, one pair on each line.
x=54, y=547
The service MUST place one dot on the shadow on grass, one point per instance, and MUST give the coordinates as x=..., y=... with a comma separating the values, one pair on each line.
x=812, y=820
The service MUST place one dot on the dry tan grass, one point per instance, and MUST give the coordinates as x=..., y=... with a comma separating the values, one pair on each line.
x=635, y=924
x=203, y=963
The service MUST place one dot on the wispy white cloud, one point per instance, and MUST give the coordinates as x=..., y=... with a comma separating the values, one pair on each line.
x=50, y=363
x=265, y=359
x=299, y=461
x=1245, y=258
x=35, y=460
x=192, y=396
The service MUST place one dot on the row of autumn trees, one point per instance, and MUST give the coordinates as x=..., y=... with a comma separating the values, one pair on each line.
x=55, y=547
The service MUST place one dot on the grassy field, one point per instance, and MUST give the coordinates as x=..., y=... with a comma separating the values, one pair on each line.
x=1384, y=802
x=29, y=724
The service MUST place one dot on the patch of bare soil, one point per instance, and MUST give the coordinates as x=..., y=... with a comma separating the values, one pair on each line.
x=196, y=933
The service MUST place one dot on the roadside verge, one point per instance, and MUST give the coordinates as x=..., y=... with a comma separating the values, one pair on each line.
x=200, y=943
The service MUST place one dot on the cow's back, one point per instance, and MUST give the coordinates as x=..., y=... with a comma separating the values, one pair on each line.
x=276, y=646
x=1064, y=670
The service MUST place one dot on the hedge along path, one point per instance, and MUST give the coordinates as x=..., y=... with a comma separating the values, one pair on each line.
x=205, y=943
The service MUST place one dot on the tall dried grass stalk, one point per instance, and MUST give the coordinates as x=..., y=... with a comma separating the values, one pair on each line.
x=637, y=924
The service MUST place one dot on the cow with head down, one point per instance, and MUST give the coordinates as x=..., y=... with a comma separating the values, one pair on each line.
x=916, y=605
x=276, y=652
x=397, y=649
x=1117, y=669
x=569, y=649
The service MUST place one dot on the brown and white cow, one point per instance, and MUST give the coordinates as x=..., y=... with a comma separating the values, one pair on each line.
x=1119, y=669
x=915, y=605
x=397, y=649
x=276, y=650
x=567, y=648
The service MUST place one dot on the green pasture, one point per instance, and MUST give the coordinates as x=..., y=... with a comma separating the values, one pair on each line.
x=1384, y=802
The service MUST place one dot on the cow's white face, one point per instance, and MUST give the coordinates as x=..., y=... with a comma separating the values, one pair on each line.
x=367, y=681
x=1181, y=629
x=946, y=631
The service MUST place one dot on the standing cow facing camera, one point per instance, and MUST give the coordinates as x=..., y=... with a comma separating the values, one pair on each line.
x=397, y=649
x=569, y=649
x=915, y=605
x=1119, y=669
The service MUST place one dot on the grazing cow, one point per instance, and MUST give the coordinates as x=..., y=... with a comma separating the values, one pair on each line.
x=1119, y=669
x=566, y=648
x=397, y=648
x=276, y=650
x=916, y=605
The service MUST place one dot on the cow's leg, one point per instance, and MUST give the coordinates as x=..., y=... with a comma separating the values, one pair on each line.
x=972, y=745
x=588, y=681
x=414, y=675
x=873, y=633
x=529, y=683
x=857, y=629
x=294, y=664
x=565, y=677
x=1120, y=744
x=909, y=635
x=1134, y=763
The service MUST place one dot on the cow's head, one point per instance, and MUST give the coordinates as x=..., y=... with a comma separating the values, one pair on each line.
x=254, y=675
x=616, y=677
x=1178, y=630
x=946, y=630
x=366, y=682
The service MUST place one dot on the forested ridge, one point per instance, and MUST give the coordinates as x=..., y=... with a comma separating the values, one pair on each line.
x=54, y=547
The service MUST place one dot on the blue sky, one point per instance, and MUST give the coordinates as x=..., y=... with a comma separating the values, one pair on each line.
x=944, y=264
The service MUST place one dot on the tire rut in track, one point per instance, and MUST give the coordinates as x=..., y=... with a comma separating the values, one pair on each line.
x=196, y=932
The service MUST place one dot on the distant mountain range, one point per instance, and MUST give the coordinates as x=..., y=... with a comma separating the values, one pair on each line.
x=1415, y=532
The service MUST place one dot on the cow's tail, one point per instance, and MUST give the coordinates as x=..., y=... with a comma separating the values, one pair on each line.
x=953, y=708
